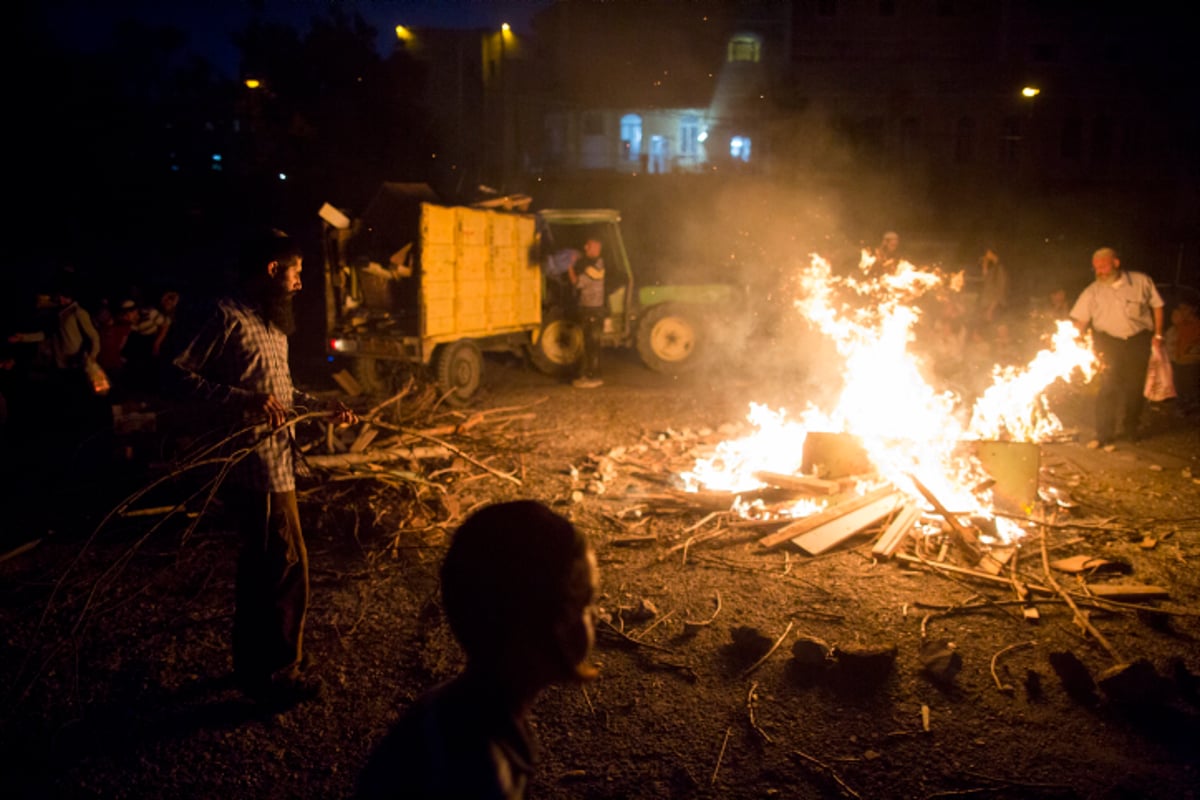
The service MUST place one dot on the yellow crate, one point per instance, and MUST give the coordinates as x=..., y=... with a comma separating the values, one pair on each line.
x=472, y=264
x=506, y=261
x=502, y=310
x=438, y=262
x=504, y=230
x=470, y=314
x=529, y=309
x=474, y=227
x=438, y=291
x=438, y=224
x=526, y=229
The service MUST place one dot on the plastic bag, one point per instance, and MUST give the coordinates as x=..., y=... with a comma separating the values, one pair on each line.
x=98, y=377
x=1160, y=382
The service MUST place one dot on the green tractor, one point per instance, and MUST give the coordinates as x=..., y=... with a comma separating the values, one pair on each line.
x=673, y=326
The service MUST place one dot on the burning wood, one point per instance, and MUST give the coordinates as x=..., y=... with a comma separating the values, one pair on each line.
x=818, y=533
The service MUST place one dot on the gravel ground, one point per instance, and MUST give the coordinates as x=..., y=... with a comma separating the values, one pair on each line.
x=136, y=701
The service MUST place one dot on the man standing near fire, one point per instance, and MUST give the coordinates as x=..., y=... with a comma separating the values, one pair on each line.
x=238, y=363
x=587, y=275
x=1125, y=313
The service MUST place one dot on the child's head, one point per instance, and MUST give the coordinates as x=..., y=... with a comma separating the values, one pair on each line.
x=517, y=585
x=1183, y=311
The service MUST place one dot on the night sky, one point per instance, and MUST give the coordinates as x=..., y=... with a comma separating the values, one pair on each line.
x=211, y=24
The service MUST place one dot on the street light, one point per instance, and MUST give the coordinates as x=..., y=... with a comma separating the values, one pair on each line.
x=505, y=27
x=403, y=33
x=1030, y=92
x=253, y=83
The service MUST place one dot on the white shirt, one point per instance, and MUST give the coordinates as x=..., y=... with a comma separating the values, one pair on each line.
x=1121, y=308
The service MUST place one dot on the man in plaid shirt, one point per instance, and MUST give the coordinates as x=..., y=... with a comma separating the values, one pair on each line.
x=238, y=362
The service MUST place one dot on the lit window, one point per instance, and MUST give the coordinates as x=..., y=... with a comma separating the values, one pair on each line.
x=689, y=134
x=739, y=148
x=631, y=136
x=745, y=47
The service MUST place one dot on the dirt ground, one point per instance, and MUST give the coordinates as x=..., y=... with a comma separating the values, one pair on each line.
x=136, y=700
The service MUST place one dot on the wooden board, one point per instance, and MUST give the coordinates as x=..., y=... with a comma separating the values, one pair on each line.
x=803, y=526
x=1127, y=591
x=803, y=484
x=896, y=532
x=836, y=531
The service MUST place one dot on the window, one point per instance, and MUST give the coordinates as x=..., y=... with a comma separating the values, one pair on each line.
x=660, y=151
x=689, y=134
x=964, y=140
x=739, y=148
x=745, y=47
x=631, y=136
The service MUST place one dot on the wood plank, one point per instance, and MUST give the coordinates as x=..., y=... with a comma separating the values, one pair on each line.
x=836, y=531
x=348, y=383
x=803, y=526
x=1127, y=591
x=375, y=457
x=364, y=439
x=803, y=484
x=896, y=532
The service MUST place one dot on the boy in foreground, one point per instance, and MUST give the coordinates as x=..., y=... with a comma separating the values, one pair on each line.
x=518, y=584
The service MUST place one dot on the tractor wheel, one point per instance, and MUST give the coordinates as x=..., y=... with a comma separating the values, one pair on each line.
x=377, y=376
x=670, y=339
x=558, y=348
x=459, y=369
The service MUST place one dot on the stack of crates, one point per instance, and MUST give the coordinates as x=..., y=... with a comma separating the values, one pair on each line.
x=478, y=272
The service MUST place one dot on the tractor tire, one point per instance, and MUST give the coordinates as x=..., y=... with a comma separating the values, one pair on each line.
x=376, y=376
x=458, y=367
x=558, y=348
x=670, y=339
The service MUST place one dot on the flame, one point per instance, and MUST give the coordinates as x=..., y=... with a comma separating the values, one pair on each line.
x=907, y=427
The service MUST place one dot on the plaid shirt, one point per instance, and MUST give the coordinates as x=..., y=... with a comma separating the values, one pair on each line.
x=236, y=355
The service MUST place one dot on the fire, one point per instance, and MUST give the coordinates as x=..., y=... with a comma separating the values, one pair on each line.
x=907, y=427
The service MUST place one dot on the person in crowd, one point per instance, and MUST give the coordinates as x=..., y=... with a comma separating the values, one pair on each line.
x=238, y=362
x=518, y=584
x=887, y=254
x=993, y=293
x=1059, y=308
x=141, y=368
x=1125, y=312
x=587, y=276
x=1182, y=341
x=73, y=339
x=168, y=304
x=68, y=395
x=113, y=338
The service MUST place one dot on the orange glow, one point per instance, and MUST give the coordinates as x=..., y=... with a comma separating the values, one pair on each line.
x=907, y=427
x=253, y=83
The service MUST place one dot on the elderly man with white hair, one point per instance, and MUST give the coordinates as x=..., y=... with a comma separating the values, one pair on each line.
x=1125, y=313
